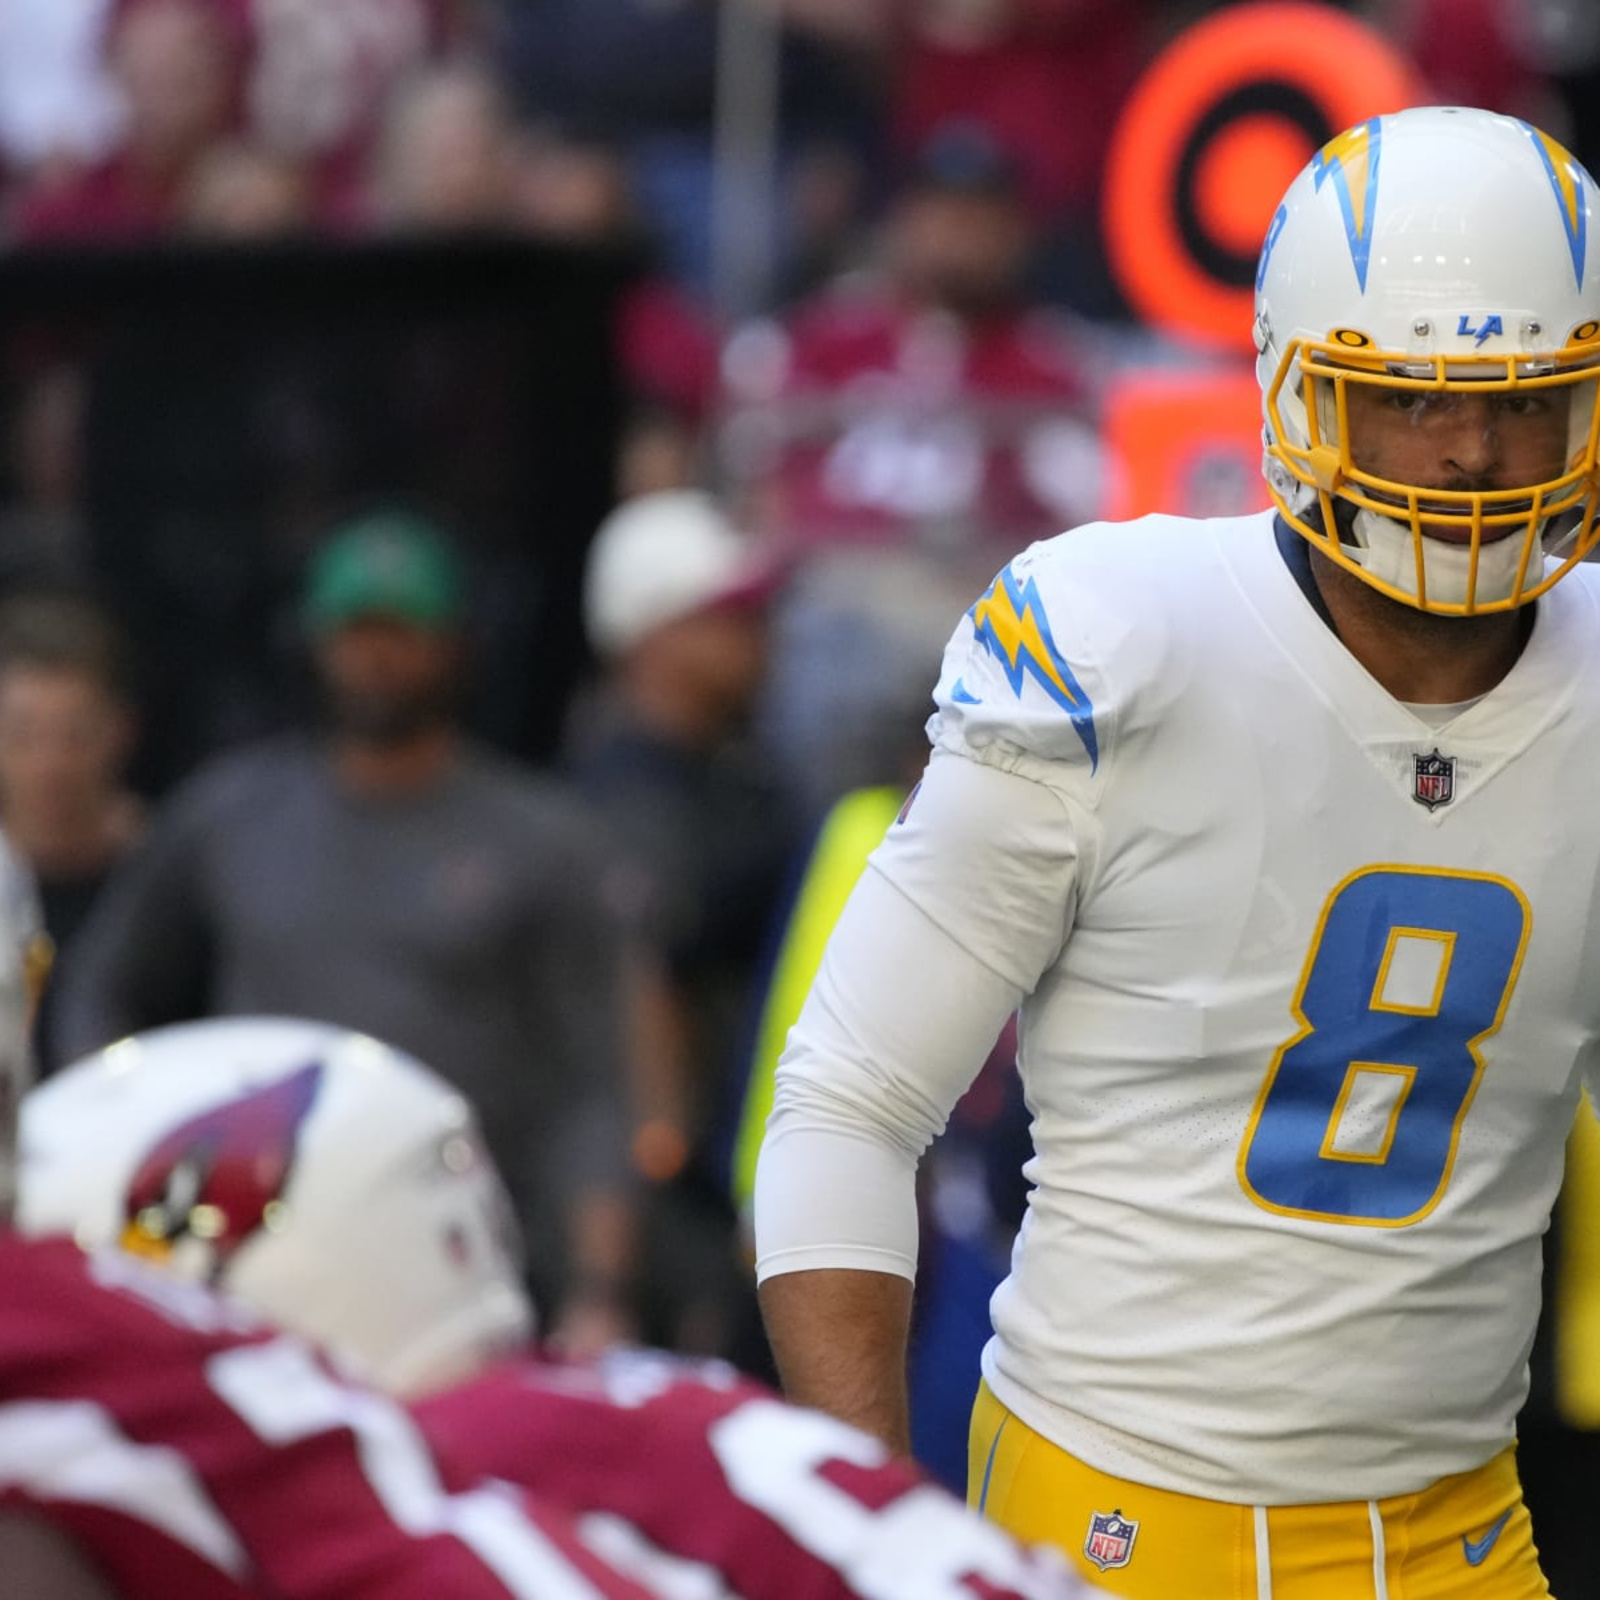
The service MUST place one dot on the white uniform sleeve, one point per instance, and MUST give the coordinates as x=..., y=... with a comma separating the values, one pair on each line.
x=967, y=901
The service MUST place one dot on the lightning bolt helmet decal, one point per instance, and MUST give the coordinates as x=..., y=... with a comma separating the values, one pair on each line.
x=1350, y=162
x=1010, y=622
x=1566, y=182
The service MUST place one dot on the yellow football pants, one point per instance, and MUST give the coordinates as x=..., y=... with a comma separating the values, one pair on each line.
x=1468, y=1537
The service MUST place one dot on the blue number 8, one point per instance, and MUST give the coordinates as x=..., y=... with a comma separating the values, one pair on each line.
x=1396, y=1065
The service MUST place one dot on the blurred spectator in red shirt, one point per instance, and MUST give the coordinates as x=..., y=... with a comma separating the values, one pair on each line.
x=902, y=432
x=322, y=72
x=178, y=65
x=153, y=83
x=929, y=401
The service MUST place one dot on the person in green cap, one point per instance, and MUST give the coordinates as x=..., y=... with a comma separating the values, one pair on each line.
x=387, y=872
x=384, y=605
x=389, y=563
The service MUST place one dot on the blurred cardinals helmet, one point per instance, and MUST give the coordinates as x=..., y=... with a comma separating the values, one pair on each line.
x=23, y=963
x=334, y=1185
x=1428, y=262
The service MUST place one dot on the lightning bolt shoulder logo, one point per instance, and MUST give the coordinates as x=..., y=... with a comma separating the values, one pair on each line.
x=1350, y=163
x=1566, y=183
x=1010, y=623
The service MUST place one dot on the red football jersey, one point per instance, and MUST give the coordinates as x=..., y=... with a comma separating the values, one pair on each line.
x=693, y=1466
x=191, y=1452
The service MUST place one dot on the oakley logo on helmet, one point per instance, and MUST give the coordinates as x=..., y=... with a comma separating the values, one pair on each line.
x=215, y=1178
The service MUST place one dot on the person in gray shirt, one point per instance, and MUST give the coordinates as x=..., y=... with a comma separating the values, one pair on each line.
x=391, y=875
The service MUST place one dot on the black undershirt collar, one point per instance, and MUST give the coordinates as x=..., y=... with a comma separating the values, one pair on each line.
x=1296, y=553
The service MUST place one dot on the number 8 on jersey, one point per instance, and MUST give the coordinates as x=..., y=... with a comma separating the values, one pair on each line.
x=1409, y=971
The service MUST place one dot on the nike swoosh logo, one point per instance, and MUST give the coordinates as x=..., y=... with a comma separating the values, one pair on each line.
x=1477, y=1550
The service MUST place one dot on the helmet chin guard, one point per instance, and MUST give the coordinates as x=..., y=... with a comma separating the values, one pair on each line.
x=1452, y=574
x=1428, y=267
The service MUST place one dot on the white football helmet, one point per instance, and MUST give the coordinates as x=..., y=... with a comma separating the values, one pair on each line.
x=1442, y=256
x=336, y=1186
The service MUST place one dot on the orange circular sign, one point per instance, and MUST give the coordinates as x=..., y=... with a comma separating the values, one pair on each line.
x=1211, y=137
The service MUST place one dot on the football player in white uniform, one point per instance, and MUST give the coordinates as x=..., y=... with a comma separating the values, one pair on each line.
x=1279, y=831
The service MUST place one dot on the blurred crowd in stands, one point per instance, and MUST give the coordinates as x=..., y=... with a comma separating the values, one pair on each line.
x=804, y=489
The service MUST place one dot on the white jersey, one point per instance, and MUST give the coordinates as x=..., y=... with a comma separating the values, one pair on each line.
x=1308, y=988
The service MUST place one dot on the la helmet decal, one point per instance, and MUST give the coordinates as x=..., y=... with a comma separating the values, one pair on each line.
x=216, y=1177
x=1213, y=134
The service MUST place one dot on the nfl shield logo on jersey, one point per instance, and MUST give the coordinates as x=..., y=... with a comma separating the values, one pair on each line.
x=1435, y=782
x=1110, y=1541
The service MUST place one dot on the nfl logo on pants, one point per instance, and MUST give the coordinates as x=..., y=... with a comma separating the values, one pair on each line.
x=1110, y=1540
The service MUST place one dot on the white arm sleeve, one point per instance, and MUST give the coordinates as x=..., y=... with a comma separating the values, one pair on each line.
x=959, y=911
